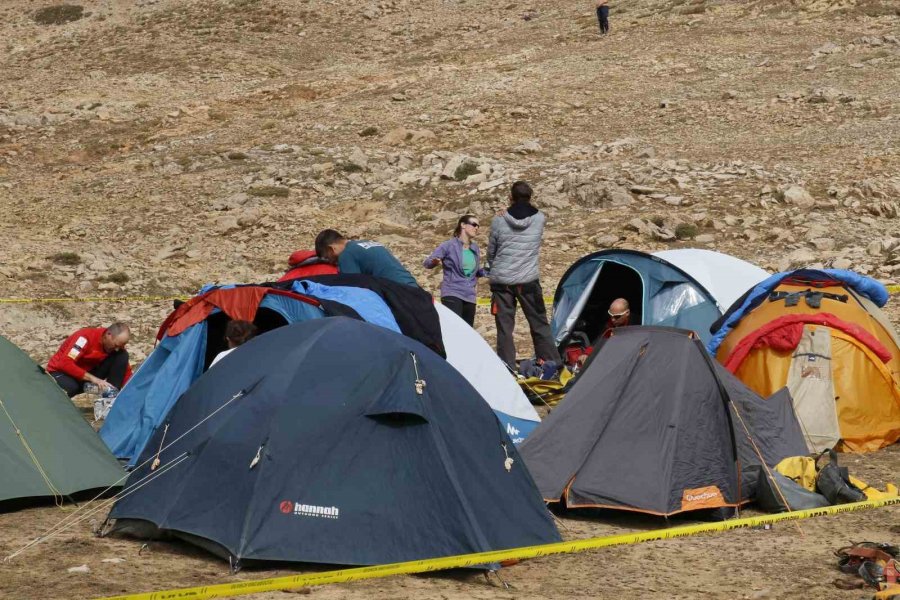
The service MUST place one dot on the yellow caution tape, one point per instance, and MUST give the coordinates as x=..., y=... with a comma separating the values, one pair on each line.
x=241, y=588
x=93, y=299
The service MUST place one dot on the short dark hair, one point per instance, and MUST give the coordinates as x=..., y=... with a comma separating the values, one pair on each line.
x=118, y=328
x=521, y=192
x=238, y=331
x=326, y=238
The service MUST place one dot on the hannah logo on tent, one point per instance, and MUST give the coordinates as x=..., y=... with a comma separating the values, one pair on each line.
x=309, y=510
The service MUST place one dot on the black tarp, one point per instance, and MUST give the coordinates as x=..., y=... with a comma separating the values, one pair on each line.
x=412, y=307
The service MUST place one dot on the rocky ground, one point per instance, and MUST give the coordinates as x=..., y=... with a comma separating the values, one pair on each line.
x=149, y=147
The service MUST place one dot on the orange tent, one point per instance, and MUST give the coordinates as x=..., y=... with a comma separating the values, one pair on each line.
x=837, y=353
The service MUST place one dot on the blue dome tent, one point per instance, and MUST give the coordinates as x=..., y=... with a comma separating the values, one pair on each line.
x=685, y=288
x=385, y=455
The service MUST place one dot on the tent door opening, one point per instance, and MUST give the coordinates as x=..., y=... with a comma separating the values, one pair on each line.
x=614, y=281
x=265, y=320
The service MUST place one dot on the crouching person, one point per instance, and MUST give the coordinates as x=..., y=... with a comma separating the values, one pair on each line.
x=92, y=355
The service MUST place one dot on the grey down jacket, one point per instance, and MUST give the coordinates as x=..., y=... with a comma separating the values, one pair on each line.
x=514, y=248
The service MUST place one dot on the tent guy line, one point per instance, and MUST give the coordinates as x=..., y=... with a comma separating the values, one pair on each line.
x=241, y=588
x=71, y=520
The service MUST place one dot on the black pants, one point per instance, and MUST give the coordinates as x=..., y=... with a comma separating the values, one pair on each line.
x=466, y=310
x=603, y=18
x=503, y=306
x=112, y=369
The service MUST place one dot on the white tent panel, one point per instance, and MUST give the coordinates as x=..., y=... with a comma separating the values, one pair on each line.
x=479, y=364
x=725, y=277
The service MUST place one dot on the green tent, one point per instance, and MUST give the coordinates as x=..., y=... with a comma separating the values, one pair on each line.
x=46, y=446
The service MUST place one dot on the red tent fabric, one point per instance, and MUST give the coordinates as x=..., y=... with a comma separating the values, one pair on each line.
x=785, y=333
x=237, y=302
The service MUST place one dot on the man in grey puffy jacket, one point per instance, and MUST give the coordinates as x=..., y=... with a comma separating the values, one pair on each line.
x=513, y=253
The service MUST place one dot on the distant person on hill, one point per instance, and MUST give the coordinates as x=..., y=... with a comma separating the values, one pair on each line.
x=361, y=256
x=305, y=263
x=461, y=260
x=513, y=255
x=603, y=16
x=92, y=356
x=237, y=333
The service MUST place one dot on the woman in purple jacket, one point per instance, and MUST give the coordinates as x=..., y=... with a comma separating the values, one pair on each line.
x=461, y=260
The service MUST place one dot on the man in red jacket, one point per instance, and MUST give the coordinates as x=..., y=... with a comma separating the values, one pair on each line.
x=92, y=355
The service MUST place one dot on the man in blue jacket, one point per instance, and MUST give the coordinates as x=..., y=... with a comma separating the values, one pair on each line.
x=361, y=256
x=513, y=254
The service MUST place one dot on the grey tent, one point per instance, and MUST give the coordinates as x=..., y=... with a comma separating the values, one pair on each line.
x=654, y=425
x=46, y=446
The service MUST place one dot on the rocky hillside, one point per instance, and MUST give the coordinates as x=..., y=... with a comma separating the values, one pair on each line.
x=149, y=147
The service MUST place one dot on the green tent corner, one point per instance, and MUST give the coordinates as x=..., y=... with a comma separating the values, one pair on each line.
x=46, y=446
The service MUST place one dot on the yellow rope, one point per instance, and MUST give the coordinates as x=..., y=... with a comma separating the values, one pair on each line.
x=57, y=495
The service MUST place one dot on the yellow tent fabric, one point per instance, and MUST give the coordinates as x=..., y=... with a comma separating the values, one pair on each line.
x=866, y=390
x=548, y=389
x=802, y=469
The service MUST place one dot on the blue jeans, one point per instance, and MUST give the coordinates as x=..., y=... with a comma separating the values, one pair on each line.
x=603, y=18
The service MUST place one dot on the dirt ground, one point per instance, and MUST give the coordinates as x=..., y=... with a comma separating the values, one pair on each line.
x=149, y=147
x=785, y=561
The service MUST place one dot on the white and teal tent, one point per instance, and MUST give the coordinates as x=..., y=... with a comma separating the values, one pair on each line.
x=479, y=364
x=685, y=288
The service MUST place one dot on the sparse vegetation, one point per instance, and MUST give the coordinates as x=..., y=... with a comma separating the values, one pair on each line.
x=59, y=14
x=686, y=231
x=66, y=258
x=268, y=191
x=465, y=170
x=118, y=277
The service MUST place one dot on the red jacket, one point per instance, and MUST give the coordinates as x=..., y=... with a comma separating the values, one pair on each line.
x=305, y=263
x=81, y=352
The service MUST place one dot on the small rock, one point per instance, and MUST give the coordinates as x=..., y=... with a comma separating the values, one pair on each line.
x=399, y=97
x=397, y=136
x=79, y=569
x=529, y=147
x=875, y=248
x=841, y=263
x=705, y=238
x=227, y=224
x=489, y=185
x=665, y=103
x=421, y=135
x=828, y=48
x=800, y=257
x=114, y=560
x=798, y=196
x=605, y=240
x=643, y=189
x=823, y=244
x=358, y=159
